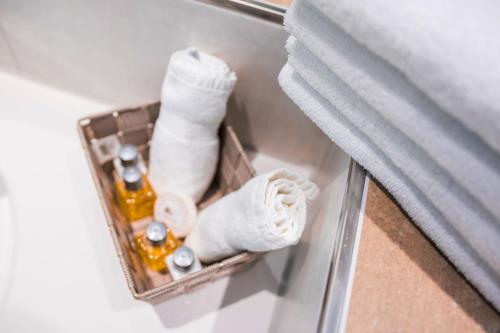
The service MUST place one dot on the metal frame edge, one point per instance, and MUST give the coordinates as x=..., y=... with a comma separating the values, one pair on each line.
x=336, y=300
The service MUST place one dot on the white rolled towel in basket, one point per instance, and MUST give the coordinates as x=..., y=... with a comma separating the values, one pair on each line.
x=185, y=144
x=267, y=213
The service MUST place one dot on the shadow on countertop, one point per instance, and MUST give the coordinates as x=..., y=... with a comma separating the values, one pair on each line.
x=216, y=296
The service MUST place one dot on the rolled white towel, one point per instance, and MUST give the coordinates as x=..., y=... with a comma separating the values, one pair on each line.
x=181, y=165
x=267, y=213
x=184, y=148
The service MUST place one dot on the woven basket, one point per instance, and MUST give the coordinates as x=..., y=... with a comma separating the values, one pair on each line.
x=135, y=125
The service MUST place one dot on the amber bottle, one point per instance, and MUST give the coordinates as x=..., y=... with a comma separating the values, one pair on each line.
x=135, y=194
x=155, y=244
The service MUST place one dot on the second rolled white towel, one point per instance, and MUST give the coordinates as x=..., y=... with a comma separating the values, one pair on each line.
x=185, y=145
x=267, y=213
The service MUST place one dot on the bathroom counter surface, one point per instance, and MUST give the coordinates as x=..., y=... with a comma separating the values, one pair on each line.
x=65, y=276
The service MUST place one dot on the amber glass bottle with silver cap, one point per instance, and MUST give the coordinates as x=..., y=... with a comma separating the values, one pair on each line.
x=135, y=195
x=182, y=262
x=155, y=244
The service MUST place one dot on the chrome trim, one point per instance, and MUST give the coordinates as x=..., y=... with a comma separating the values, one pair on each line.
x=261, y=5
x=334, y=303
x=256, y=8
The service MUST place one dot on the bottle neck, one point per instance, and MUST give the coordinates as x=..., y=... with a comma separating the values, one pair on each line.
x=134, y=186
x=156, y=243
x=129, y=163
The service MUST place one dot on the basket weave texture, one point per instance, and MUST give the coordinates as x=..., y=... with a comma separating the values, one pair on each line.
x=135, y=125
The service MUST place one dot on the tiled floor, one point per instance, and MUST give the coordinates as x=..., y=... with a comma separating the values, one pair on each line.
x=404, y=284
x=279, y=2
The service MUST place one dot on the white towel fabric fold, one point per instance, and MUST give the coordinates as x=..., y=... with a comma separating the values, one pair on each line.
x=444, y=175
x=185, y=145
x=177, y=211
x=181, y=165
x=381, y=88
x=448, y=48
x=267, y=213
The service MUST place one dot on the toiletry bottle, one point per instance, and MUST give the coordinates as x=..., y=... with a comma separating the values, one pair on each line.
x=128, y=155
x=182, y=262
x=135, y=195
x=155, y=244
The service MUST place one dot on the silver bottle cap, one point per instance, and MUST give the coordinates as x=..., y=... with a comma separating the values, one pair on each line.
x=183, y=258
x=156, y=233
x=132, y=177
x=128, y=155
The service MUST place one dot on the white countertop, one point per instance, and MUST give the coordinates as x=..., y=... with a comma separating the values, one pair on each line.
x=65, y=276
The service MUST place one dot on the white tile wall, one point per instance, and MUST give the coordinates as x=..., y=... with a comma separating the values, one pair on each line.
x=116, y=52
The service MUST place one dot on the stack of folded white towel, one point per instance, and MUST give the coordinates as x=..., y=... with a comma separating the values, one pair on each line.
x=410, y=90
x=267, y=213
